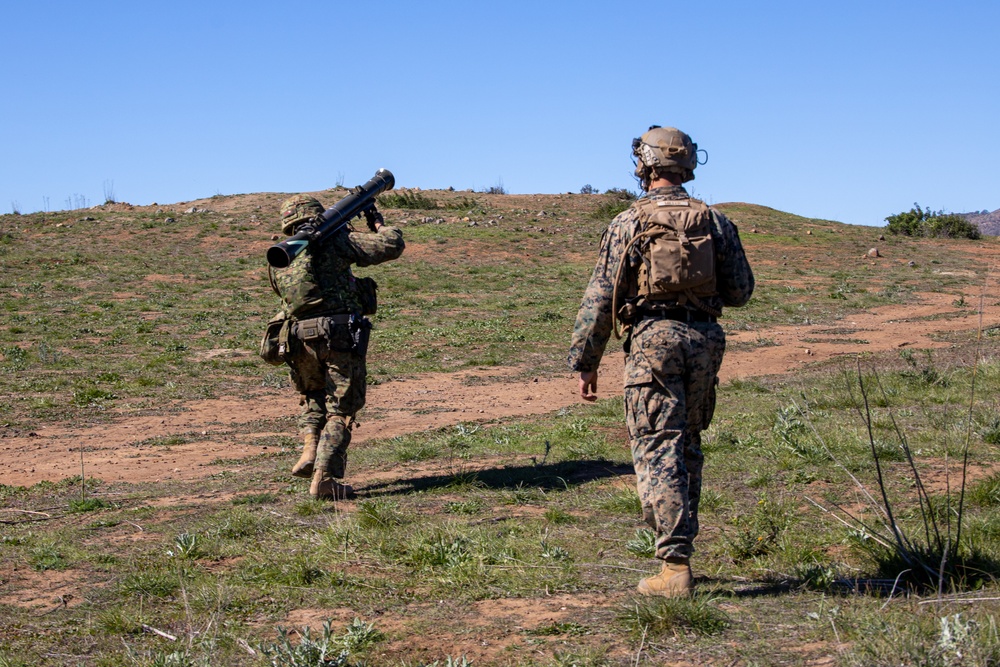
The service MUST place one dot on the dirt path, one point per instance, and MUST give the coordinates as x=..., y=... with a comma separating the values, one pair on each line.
x=113, y=452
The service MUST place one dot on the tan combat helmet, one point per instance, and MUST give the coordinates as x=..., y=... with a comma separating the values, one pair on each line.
x=664, y=149
x=298, y=209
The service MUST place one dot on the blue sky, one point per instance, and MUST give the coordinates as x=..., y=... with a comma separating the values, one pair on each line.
x=848, y=111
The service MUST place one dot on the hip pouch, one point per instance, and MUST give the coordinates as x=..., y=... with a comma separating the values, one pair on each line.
x=367, y=295
x=274, y=344
x=361, y=331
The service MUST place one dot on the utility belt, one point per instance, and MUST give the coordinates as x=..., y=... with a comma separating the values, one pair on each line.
x=317, y=327
x=352, y=338
x=678, y=314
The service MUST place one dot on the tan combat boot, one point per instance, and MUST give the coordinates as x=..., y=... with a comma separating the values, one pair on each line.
x=325, y=487
x=304, y=468
x=674, y=580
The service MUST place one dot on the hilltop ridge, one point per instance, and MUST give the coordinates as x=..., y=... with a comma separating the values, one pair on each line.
x=988, y=222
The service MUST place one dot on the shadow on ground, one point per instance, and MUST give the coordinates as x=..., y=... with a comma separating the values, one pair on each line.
x=548, y=477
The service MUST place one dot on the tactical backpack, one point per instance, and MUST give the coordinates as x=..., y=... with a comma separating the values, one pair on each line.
x=678, y=256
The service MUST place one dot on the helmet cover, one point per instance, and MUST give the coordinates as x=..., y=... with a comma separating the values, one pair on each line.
x=298, y=209
x=665, y=149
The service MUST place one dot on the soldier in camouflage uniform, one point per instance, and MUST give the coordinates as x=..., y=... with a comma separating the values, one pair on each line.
x=328, y=338
x=674, y=348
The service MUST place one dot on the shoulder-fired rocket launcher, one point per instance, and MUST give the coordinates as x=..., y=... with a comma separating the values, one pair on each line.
x=360, y=201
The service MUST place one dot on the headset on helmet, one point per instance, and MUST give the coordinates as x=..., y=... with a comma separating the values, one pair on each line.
x=664, y=149
x=298, y=209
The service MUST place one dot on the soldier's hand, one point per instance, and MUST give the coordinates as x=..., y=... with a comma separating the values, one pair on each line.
x=588, y=385
x=374, y=219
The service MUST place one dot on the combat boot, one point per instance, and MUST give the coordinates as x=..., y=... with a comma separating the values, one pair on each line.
x=674, y=580
x=304, y=468
x=325, y=487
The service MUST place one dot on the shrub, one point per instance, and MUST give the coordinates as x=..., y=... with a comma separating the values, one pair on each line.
x=497, y=189
x=407, y=199
x=615, y=201
x=924, y=222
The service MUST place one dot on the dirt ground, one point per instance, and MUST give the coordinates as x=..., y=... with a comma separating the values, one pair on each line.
x=113, y=452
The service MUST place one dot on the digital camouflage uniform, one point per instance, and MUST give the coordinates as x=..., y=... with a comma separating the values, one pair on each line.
x=328, y=371
x=670, y=373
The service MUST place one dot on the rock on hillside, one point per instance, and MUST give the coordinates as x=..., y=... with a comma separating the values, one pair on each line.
x=989, y=223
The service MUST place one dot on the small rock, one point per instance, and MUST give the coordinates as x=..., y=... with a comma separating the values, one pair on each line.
x=275, y=237
x=466, y=219
x=169, y=220
x=808, y=351
x=911, y=263
x=881, y=237
x=809, y=232
x=873, y=252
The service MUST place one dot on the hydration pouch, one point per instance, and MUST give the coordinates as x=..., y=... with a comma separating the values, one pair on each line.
x=367, y=294
x=274, y=344
x=678, y=250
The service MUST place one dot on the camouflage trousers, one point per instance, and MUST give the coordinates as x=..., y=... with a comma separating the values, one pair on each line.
x=670, y=379
x=331, y=379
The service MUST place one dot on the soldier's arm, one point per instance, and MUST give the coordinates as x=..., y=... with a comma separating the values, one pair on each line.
x=735, y=277
x=367, y=248
x=594, y=320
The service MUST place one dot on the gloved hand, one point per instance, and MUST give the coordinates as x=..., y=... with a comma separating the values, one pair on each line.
x=374, y=219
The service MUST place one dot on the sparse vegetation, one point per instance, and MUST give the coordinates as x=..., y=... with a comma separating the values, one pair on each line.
x=412, y=199
x=615, y=201
x=514, y=541
x=497, y=189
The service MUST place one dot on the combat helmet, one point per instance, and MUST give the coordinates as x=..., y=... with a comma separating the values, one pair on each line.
x=298, y=209
x=664, y=149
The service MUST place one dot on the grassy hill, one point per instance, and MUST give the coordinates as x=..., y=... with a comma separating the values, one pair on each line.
x=491, y=542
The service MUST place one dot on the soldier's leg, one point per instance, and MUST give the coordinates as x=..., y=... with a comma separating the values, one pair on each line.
x=707, y=346
x=331, y=454
x=656, y=419
x=308, y=376
x=345, y=396
x=311, y=424
x=331, y=461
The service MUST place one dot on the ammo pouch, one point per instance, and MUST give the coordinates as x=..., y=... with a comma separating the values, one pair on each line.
x=367, y=294
x=274, y=344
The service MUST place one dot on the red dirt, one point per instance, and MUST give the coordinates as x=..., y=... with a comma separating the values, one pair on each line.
x=113, y=451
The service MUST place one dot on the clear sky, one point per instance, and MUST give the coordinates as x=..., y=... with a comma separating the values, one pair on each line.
x=849, y=111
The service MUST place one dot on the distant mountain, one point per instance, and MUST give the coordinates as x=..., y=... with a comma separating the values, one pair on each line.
x=989, y=223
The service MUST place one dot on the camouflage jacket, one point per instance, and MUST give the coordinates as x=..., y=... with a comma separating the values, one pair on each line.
x=319, y=281
x=734, y=279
